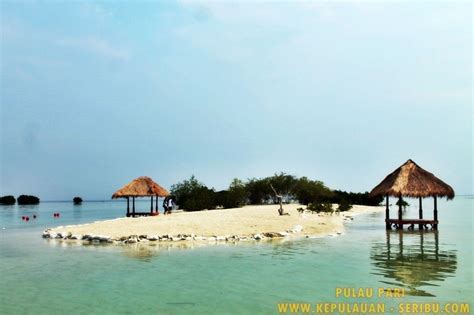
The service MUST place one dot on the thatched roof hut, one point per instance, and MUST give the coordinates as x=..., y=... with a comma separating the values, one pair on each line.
x=141, y=187
x=410, y=180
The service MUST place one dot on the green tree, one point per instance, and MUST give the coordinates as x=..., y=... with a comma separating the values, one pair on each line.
x=192, y=195
x=311, y=191
x=235, y=197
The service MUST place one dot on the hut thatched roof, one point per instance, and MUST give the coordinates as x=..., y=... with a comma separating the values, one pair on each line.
x=141, y=187
x=410, y=180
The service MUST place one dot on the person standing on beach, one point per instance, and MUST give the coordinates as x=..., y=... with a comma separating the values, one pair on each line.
x=170, y=205
x=165, y=205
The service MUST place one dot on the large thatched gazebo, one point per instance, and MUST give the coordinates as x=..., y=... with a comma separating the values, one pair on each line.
x=141, y=187
x=410, y=180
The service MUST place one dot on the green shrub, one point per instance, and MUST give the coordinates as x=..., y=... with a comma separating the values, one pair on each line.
x=235, y=197
x=308, y=191
x=344, y=205
x=192, y=195
x=320, y=207
x=259, y=191
x=7, y=200
x=356, y=198
x=404, y=203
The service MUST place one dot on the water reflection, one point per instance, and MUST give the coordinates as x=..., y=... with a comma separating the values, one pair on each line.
x=413, y=260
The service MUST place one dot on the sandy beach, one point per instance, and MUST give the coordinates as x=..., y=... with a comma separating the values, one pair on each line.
x=247, y=221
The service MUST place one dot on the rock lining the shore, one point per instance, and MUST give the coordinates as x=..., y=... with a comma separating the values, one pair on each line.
x=132, y=239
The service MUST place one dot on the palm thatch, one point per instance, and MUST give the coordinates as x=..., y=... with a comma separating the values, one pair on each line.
x=141, y=187
x=410, y=180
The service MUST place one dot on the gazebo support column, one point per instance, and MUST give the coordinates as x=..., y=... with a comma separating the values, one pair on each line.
x=387, y=215
x=133, y=206
x=156, y=205
x=435, y=212
x=128, y=206
x=400, y=226
x=420, y=214
x=151, y=204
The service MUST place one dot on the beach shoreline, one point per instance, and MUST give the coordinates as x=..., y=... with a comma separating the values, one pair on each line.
x=236, y=224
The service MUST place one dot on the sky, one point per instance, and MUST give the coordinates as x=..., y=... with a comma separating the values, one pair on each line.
x=95, y=94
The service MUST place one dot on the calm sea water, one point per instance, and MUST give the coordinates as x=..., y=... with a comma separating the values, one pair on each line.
x=41, y=276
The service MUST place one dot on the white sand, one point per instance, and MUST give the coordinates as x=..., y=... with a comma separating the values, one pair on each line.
x=244, y=221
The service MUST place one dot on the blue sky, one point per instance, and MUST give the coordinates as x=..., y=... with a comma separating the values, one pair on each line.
x=94, y=94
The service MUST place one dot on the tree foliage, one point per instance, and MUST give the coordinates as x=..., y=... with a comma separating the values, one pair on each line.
x=311, y=191
x=234, y=197
x=192, y=195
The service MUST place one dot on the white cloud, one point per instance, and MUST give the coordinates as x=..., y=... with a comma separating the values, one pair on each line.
x=96, y=46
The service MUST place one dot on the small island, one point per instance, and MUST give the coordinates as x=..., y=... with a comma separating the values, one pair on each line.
x=28, y=200
x=77, y=200
x=7, y=200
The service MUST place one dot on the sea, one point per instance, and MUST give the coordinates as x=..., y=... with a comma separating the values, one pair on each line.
x=43, y=276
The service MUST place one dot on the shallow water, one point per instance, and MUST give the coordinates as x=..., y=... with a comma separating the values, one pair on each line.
x=42, y=276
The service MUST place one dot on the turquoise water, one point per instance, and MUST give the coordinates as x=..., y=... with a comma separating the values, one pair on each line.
x=40, y=276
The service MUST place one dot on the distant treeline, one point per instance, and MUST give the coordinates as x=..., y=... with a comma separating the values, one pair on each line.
x=22, y=200
x=192, y=195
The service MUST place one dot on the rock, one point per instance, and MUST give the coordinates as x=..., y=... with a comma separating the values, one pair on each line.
x=46, y=234
x=75, y=237
x=339, y=233
x=153, y=237
x=189, y=238
x=104, y=238
x=283, y=234
x=212, y=238
x=132, y=239
x=272, y=234
x=257, y=237
x=122, y=238
x=143, y=236
x=220, y=238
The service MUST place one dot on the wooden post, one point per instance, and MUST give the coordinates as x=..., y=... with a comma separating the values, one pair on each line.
x=387, y=215
x=420, y=214
x=151, y=205
x=128, y=206
x=133, y=206
x=400, y=226
x=435, y=225
x=156, y=205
